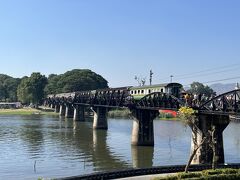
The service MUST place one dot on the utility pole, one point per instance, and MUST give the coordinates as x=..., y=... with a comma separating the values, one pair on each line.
x=151, y=74
x=171, y=78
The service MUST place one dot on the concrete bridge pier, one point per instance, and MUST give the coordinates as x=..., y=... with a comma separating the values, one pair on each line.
x=49, y=105
x=206, y=122
x=100, y=118
x=62, y=110
x=79, y=113
x=69, y=111
x=53, y=106
x=57, y=108
x=142, y=132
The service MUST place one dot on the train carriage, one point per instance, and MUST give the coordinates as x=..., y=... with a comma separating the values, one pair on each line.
x=139, y=92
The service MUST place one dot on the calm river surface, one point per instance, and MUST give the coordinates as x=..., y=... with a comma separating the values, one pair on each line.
x=42, y=146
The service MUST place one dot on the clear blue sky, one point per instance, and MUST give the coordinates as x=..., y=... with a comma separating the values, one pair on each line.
x=122, y=38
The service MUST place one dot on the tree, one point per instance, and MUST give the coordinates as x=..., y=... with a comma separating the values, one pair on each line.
x=8, y=88
x=24, y=91
x=11, y=85
x=199, y=88
x=141, y=81
x=75, y=80
x=188, y=115
x=31, y=89
x=52, y=86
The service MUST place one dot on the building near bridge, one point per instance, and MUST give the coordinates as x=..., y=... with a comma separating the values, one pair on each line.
x=10, y=105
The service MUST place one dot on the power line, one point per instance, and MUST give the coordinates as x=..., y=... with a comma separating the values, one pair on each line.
x=202, y=71
x=218, y=80
x=211, y=73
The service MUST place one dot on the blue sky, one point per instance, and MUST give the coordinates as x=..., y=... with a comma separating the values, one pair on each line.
x=122, y=38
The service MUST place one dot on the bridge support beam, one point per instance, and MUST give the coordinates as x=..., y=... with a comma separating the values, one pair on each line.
x=79, y=113
x=142, y=132
x=69, y=111
x=52, y=106
x=62, y=110
x=57, y=108
x=100, y=118
x=205, y=124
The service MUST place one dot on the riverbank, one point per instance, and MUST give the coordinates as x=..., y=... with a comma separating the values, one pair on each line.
x=27, y=111
x=117, y=113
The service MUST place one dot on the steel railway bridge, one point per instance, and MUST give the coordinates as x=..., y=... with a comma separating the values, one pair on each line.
x=212, y=113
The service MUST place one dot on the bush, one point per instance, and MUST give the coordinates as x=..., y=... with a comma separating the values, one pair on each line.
x=218, y=174
x=230, y=171
x=212, y=172
x=119, y=113
x=189, y=175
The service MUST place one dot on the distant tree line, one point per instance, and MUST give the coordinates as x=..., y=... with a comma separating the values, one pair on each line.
x=34, y=88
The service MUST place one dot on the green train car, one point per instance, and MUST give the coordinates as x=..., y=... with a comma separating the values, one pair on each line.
x=139, y=92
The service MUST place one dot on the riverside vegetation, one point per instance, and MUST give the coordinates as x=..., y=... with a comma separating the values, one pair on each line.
x=125, y=113
x=33, y=89
x=221, y=174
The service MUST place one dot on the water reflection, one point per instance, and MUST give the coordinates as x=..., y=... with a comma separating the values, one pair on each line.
x=142, y=156
x=63, y=147
x=32, y=135
x=80, y=138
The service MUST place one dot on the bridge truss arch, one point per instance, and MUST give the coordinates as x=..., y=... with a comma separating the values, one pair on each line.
x=159, y=100
x=226, y=104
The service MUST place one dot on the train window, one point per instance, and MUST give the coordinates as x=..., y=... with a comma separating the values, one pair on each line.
x=142, y=91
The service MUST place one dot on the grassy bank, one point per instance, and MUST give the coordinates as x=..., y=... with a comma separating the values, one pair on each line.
x=207, y=174
x=26, y=111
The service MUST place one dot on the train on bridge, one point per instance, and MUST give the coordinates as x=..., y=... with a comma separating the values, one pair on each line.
x=136, y=92
x=139, y=92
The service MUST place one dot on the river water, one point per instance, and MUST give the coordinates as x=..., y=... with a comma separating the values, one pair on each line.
x=44, y=146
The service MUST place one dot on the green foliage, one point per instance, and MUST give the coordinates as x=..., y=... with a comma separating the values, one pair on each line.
x=119, y=113
x=212, y=172
x=199, y=88
x=8, y=88
x=230, y=171
x=189, y=175
x=166, y=115
x=31, y=89
x=187, y=114
x=75, y=80
x=218, y=174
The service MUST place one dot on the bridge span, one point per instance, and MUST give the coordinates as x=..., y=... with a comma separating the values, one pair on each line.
x=213, y=113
